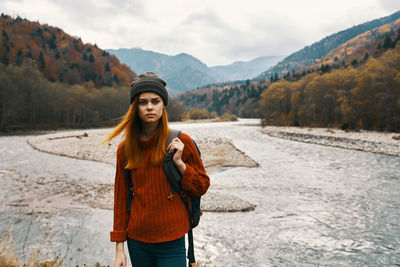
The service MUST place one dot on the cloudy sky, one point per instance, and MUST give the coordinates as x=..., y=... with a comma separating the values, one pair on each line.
x=217, y=32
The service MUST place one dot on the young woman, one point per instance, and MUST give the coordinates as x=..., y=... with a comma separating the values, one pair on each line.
x=156, y=226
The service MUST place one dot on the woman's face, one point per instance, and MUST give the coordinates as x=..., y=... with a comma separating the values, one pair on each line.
x=150, y=107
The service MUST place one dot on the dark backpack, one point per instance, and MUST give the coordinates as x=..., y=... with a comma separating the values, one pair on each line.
x=174, y=178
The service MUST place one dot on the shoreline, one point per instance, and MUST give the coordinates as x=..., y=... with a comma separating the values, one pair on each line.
x=386, y=143
x=87, y=145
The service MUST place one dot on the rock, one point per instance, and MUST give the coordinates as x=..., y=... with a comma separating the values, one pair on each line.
x=368, y=141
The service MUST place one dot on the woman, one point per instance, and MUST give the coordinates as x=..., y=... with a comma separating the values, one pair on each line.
x=156, y=226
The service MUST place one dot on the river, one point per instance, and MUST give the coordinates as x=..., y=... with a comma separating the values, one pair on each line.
x=316, y=205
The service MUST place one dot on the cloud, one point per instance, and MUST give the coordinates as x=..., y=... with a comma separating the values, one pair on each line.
x=214, y=38
x=389, y=5
x=216, y=32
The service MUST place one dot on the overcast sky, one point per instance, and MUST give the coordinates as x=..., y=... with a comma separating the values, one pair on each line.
x=218, y=32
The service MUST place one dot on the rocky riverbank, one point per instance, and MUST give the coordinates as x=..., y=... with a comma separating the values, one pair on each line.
x=369, y=141
x=217, y=153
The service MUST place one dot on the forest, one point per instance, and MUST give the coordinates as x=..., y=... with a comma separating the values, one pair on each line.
x=362, y=97
x=29, y=101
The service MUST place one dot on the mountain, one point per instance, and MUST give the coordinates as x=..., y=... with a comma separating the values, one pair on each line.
x=355, y=51
x=242, y=97
x=369, y=43
x=184, y=72
x=309, y=54
x=242, y=70
x=58, y=55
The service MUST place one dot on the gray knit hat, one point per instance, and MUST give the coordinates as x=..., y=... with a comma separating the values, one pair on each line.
x=149, y=82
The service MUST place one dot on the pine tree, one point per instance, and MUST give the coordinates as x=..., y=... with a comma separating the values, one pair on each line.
x=42, y=62
x=387, y=43
x=91, y=58
x=5, y=36
x=52, y=42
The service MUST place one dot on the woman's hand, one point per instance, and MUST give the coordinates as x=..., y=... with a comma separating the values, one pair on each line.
x=177, y=146
x=120, y=257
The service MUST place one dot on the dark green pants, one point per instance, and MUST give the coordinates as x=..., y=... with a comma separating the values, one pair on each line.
x=165, y=254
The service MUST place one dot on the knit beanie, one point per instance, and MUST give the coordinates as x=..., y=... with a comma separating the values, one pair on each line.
x=149, y=82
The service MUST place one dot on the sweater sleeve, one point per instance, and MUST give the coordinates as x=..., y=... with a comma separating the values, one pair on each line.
x=195, y=180
x=121, y=216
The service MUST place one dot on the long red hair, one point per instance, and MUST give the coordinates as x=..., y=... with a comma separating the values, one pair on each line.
x=131, y=125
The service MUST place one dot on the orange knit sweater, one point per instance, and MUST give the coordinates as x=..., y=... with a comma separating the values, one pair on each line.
x=154, y=218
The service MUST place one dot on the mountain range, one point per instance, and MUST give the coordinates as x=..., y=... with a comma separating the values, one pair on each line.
x=184, y=72
x=242, y=70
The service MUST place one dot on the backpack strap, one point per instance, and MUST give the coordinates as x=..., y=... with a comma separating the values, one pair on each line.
x=131, y=192
x=170, y=169
x=174, y=178
x=190, y=253
x=197, y=148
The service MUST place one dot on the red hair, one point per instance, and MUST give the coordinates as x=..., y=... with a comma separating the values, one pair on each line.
x=131, y=124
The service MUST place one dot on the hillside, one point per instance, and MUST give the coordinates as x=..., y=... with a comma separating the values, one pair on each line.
x=353, y=52
x=51, y=80
x=366, y=96
x=309, y=54
x=59, y=56
x=231, y=97
x=369, y=43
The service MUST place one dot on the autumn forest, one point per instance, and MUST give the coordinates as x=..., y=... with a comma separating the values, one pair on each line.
x=363, y=97
x=49, y=79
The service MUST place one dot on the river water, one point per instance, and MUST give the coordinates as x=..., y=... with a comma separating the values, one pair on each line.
x=316, y=205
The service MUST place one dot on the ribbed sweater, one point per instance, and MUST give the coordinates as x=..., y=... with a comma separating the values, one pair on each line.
x=153, y=217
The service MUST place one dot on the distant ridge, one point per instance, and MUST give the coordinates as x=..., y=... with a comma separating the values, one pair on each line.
x=184, y=72
x=242, y=70
x=309, y=54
